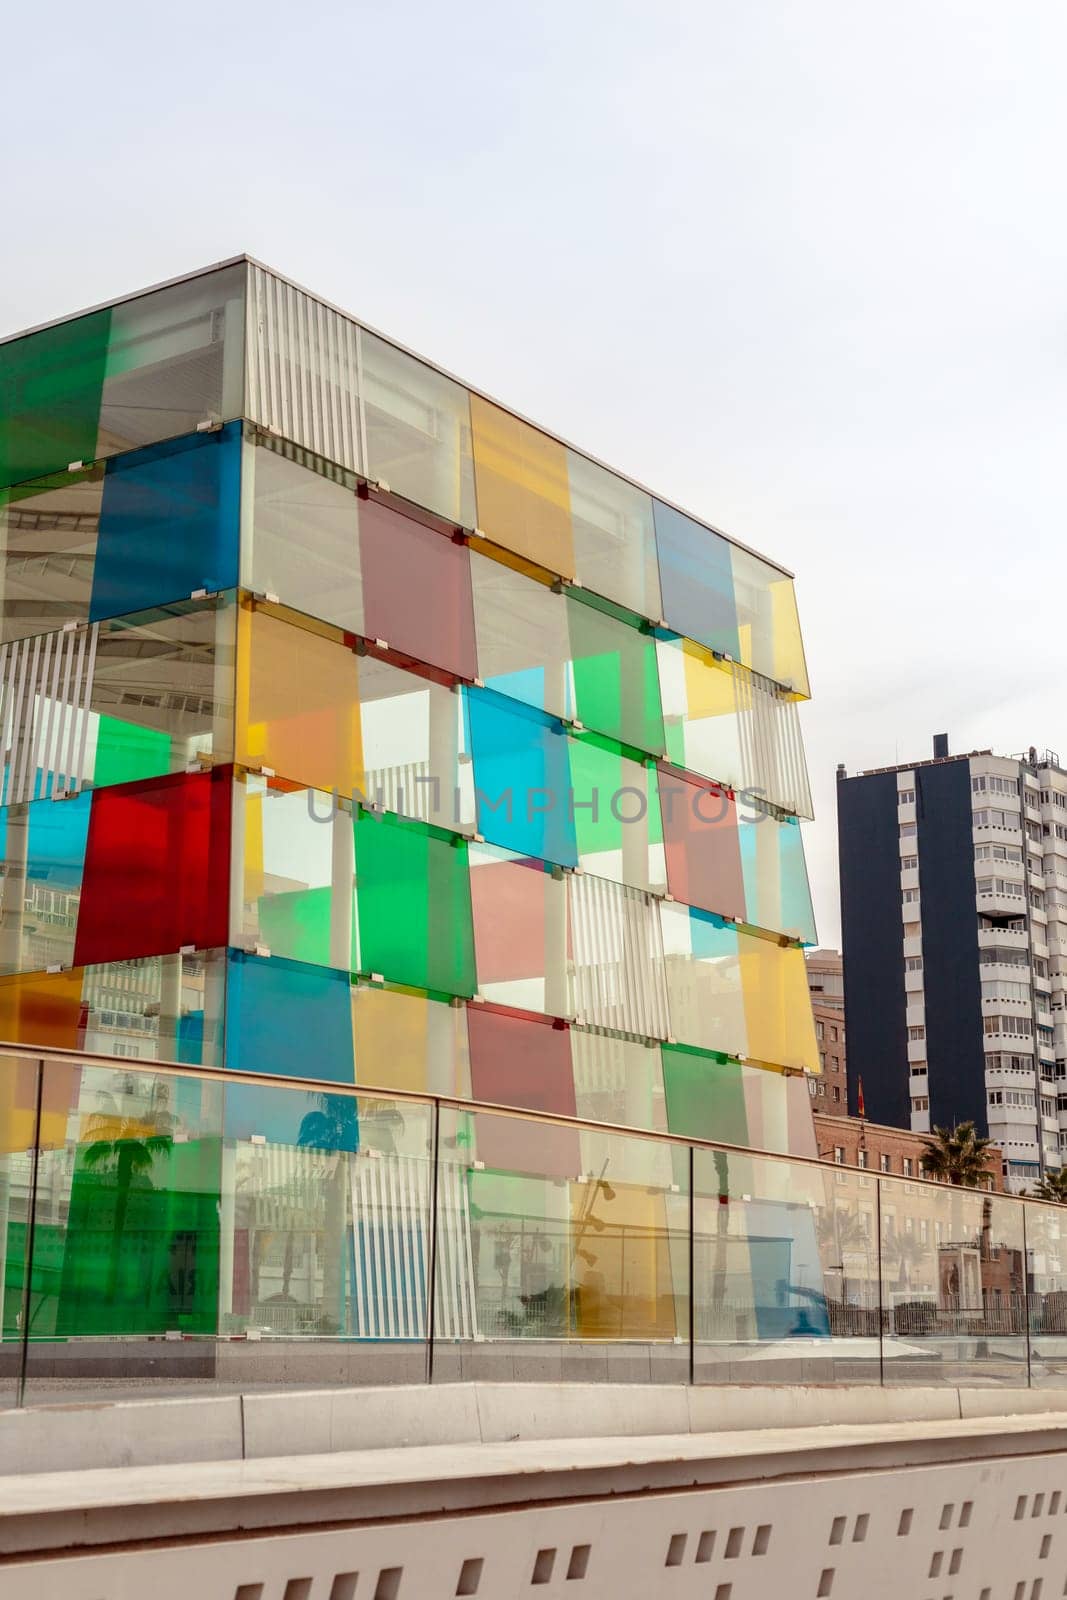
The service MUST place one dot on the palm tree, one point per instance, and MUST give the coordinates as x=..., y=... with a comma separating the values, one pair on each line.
x=1053, y=1186
x=334, y=1126
x=128, y=1152
x=959, y=1155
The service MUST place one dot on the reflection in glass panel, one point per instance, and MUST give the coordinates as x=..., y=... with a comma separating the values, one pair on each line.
x=550, y=1267
x=298, y=711
x=407, y=1040
x=325, y=1223
x=42, y=854
x=769, y=638
x=1046, y=1258
x=299, y=538
x=161, y=1008
x=523, y=639
x=953, y=1285
x=287, y=1017
x=50, y=384
x=48, y=535
x=701, y=964
x=614, y=537
x=418, y=431
x=785, y=1273
x=413, y=904
x=18, y=1125
x=523, y=490
x=413, y=745
x=617, y=819
x=175, y=358
x=298, y=874
x=618, y=1080
x=616, y=684
x=520, y=930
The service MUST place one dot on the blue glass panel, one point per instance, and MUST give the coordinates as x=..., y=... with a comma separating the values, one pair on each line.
x=696, y=577
x=777, y=895
x=522, y=778
x=322, y=1121
x=285, y=1017
x=710, y=937
x=797, y=913
x=169, y=523
x=58, y=830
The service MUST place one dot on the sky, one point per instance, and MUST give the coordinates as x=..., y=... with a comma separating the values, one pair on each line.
x=799, y=266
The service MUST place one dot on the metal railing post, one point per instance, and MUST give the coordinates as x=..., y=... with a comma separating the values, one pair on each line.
x=431, y=1288
x=878, y=1261
x=31, y=1229
x=1026, y=1302
x=692, y=1260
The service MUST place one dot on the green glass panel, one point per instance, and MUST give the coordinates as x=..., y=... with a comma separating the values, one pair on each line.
x=705, y=1095
x=297, y=924
x=125, y=752
x=50, y=390
x=414, y=904
x=616, y=814
x=616, y=681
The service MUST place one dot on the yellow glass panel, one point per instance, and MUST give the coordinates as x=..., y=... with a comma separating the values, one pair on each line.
x=298, y=704
x=407, y=1041
x=253, y=826
x=42, y=1008
x=777, y=1004
x=622, y=1268
x=789, y=663
x=709, y=685
x=522, y=488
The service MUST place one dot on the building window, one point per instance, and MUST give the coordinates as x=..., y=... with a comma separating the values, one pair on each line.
x=839, y=1154
x=812, y=1086
x=908, y=830
x=918, y=1069
x=885, y=1163
x=837, y=1093
x=862, y=1158
x=908, y=862
x=909, y=896
x=819, y=1031
x=905, y=797
x=908, y=1166
x=913, y=963
x=833, y=1035
x=822, y=1059
x=917, y=1031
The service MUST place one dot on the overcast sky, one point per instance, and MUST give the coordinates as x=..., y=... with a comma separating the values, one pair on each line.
x=799, y=266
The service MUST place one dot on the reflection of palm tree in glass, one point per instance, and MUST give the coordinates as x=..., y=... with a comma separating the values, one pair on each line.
x=333, y=1127
x=839, y=1230
x=128, y=1152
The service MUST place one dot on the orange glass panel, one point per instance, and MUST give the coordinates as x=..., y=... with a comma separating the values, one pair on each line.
x=41, y=1008
x=522, y=488
x=297, y=704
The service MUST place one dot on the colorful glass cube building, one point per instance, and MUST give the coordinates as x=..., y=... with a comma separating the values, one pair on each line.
x=357, y=730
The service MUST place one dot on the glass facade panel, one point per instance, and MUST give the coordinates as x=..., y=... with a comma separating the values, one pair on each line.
x=298, y=874
x=523, y=488
x=522, y=778
x=520, y=930
x=701, y=844
x=567, y=1267
x=768, y=627
x=617, y=822
x=777, y=1004
x=614, y=537
x=298, y=710
x=407, y=1040
x=785, y=1272
x=160, y=1008
x=157, y=867
x=953, y=1286
x=48, y=536
x=299, y=540
x=775, y=874
x=18, y=1136
x=616, y=684
x=413, y=730
x=523, y=639
x=618, y=1080
x=418, y=431
x=701, y=962
x=42, y=1008
x=696, y=580
x=705, y=1095
x=519, y=1060
x=169, y=523
x=42, y=853
x=414, y=904
x=1046, y=1257
x=50, y=385
x=417, y=589
x=287, y=1017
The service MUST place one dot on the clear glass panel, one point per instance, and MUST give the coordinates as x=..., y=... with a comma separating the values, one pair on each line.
x=175, y=359
x=701, y=960
x=616, y=684
x=520, y=930
x=703, y=729
x=522, y=777
x=325, y=1227
x=953, y=1286
x=523, y=488
x=768, y=627
x=162, y=1008
x=701, y=844
x=48, y=537
x=417, y=589
x=300, y=533
x=414, y=904
x=414, y=745
x=297, y=880
x=169, y=523
x=43, y=860
x=1046, y=1265
x=549, y=1269
x=127, y=1233
x=162, y=692
x=617, y=962
x=614, y=537
x=418, y=431
x=18, y=1135
x=157, y=867
x=616, y=809
x=618, y=1080
x=785, y=1272
x=407, y=1040
x=298, y=702
x=520, y=1060
x=523, y=640
x=288, y=1017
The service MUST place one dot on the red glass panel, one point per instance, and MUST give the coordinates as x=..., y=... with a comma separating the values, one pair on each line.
x=416, y=590
x=701, y=844
x=522, y=1061
x=156, y=867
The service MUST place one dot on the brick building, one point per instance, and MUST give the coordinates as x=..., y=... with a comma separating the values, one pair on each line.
x=826, y=987
x=855, y=1142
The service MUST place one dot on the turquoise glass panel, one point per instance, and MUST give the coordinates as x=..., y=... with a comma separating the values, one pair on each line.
x=777, y=894
x=287, y=1018
x=696, y=578
x=317, y=1120
x=169, y=523
x=522, y=778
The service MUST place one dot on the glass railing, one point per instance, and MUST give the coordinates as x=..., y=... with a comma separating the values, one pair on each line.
x=167, y=1230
